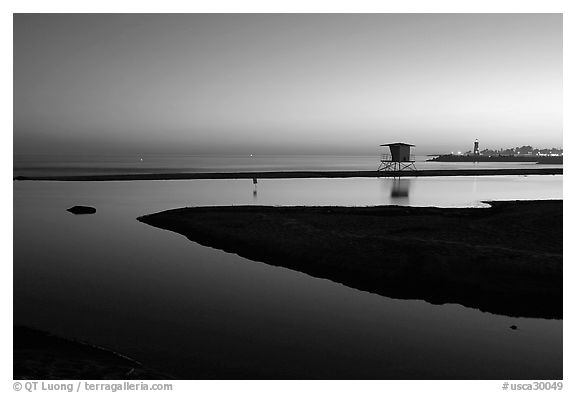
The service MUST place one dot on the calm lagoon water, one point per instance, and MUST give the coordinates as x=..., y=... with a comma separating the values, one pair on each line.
x=197, y=312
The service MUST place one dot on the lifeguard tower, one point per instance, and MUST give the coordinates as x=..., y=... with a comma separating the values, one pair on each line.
x=399, y=158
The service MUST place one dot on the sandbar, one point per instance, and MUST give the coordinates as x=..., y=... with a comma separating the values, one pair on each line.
x=506, y=259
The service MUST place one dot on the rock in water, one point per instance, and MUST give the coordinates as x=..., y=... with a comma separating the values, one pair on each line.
x=82, y=210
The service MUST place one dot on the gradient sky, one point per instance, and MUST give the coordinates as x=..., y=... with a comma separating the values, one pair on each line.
x=285, y=83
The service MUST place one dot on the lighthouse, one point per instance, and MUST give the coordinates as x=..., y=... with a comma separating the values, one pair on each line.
x=476, y=148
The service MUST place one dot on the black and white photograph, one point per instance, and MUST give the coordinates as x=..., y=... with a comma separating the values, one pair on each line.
x=287, y=196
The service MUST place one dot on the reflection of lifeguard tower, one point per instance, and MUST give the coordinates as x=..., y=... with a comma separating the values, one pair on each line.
x=399, y=158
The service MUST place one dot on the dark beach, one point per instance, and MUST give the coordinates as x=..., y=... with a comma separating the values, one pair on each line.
x=41, y=355
x=506, y=259
x=298, y=174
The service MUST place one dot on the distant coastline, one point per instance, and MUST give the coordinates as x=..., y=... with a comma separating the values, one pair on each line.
x=298, y=174
x=498, y=158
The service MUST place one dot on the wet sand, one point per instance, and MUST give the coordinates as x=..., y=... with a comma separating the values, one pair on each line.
x=298, y=174
x=506, y=259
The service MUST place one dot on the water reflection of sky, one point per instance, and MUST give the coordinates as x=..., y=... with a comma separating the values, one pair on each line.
x=175, y=305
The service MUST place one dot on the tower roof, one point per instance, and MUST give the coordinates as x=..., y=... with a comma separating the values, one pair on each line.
x=397, y=143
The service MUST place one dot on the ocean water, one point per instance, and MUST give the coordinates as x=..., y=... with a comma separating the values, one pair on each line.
x=197, y=312
x=38, y=165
